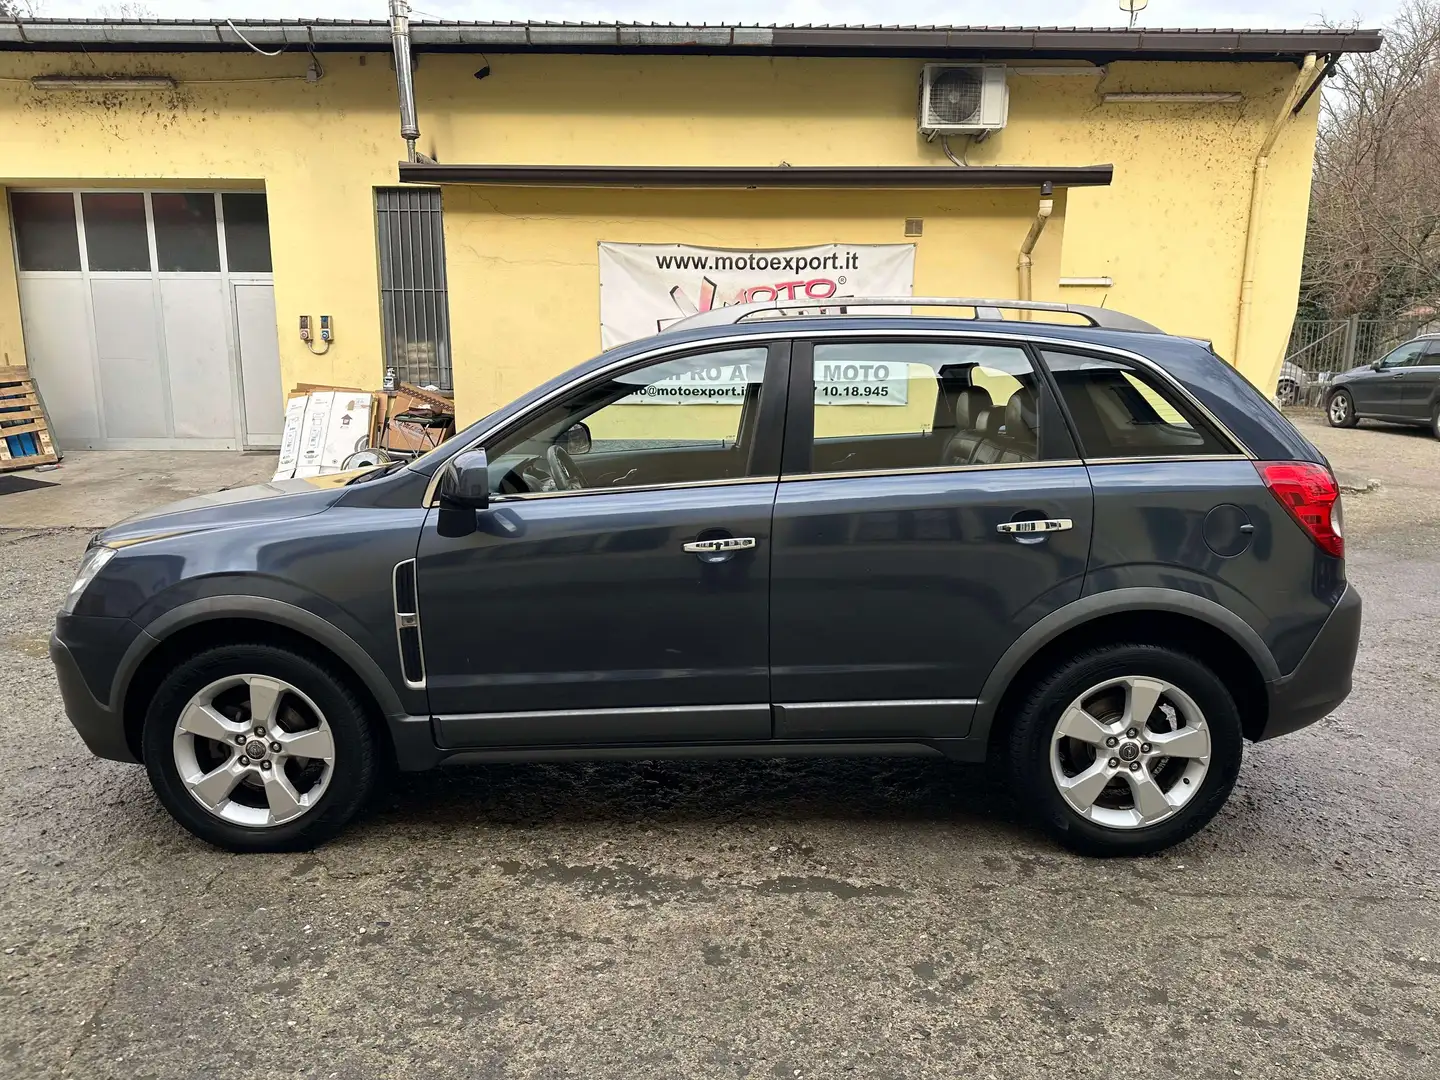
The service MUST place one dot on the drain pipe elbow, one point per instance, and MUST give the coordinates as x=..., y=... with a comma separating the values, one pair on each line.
x=1026, y=262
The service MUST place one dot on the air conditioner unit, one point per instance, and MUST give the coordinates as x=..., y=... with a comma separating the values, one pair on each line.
x=963, y=99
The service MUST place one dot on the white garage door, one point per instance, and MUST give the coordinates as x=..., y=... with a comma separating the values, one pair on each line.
x=149, y=317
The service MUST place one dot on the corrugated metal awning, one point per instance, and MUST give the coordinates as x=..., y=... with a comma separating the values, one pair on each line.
x=760, y=176
x=998, y=42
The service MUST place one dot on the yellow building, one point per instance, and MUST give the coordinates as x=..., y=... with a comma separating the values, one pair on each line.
x=181, y=197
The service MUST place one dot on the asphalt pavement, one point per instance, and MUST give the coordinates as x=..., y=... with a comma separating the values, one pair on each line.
x=887, y=919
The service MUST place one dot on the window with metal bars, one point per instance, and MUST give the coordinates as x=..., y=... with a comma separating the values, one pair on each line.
x=413, y=300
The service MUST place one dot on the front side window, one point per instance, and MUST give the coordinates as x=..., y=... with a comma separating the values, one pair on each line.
x=880, y=406
x=1406, y=355
x=1121, y=410
x=677, y=421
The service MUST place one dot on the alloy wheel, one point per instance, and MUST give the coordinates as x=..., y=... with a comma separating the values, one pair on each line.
x=1130, y=752
x=1339, y=409
x=254, y=750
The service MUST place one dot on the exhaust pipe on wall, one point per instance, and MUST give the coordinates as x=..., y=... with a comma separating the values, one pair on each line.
x=404, y=75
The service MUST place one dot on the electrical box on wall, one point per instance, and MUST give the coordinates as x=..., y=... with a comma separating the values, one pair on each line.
x=327, y=329
x=304, y=327
x=963, y=99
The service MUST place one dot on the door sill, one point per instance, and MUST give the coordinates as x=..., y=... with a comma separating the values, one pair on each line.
x=540, y=754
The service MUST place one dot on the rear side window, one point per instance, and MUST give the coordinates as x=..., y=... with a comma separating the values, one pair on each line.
x=1121, y=410
x=880, y=406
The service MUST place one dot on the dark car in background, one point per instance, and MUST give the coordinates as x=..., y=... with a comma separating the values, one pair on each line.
x=1402, y=387
x=1093, y=554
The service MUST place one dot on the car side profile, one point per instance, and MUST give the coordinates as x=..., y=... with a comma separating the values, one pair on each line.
x=1402, y=387
x=1092, y=554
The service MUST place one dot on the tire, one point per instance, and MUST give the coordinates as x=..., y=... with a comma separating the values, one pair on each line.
x=1340, y=410
x=1287, y=393
x=1435, y=421
x=1039, y=756
x=219, y=689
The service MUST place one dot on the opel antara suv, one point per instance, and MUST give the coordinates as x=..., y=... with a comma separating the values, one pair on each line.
x=1093, y=554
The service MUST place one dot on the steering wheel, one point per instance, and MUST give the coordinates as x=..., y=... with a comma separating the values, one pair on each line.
x=563, y=471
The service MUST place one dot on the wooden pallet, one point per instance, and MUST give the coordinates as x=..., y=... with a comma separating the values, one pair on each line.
x=22, y=413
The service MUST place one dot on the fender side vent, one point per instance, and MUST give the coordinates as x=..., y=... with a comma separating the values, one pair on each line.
x=407, y=625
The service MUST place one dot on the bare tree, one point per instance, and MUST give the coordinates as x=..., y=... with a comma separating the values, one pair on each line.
x=19, y=9
x=1373, y=245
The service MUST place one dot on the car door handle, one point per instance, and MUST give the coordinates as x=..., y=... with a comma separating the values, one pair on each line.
x=724, y=543
x=1044, y=525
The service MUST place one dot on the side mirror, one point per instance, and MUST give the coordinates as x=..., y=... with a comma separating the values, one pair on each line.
x=1378, y=365
x=466, y=481
x=575, y=440
x=464, y=489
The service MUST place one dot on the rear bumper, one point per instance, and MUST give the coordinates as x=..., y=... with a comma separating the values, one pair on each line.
x=1321, y=680
x=102, y=729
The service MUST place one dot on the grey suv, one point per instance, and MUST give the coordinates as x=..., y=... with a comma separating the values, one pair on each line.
x=1403, y=387
x=1092, y=553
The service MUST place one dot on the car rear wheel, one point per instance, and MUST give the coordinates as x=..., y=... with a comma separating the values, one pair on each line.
x=1287, y=392
x=1435, y=421
x=255, y=748
x=1126, y=749
x=1340, y=410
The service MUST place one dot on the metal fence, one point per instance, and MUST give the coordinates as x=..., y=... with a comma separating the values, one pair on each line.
x=1318, y=346
x=413, y=299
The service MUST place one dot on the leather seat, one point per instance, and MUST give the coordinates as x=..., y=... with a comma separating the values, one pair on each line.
x=1021, y=438
x=972, y=408
x=991, y=448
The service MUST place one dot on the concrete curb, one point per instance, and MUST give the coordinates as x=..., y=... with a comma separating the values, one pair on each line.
x=1355, y=484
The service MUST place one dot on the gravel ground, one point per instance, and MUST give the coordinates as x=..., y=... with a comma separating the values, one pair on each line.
x=746, y=919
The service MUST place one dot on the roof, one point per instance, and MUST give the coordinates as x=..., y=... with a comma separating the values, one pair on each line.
x=1098, y=45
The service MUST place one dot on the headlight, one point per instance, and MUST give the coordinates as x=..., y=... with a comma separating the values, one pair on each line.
x=93, y=562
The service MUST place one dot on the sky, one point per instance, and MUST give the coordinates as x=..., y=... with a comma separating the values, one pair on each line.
x=1283, y=14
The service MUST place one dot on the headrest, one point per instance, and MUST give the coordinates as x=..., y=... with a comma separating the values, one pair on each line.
x=1020, y=415
x=970, y=402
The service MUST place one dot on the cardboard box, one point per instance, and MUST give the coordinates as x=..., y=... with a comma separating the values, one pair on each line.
x=312, y=439
x=347, y=429
x=290, y=441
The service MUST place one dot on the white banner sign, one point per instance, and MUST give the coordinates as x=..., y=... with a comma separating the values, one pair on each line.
x=646, y=288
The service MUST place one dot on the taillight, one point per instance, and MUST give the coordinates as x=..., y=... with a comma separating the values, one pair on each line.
x=1312, y=497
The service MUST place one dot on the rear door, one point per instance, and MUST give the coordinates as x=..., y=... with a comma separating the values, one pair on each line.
x=908, y=544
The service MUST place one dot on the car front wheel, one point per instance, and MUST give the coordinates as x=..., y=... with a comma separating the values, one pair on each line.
x=1126, y=749
x=256, y=748
x=1340, y=410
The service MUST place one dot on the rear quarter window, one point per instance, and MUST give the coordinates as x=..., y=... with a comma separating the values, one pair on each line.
x=1121, y=410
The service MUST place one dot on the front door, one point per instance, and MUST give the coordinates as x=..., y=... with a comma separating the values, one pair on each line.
x=590, y=605
x=1422, y=383
x=931, y=508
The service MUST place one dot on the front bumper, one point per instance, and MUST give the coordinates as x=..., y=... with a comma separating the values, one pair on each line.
x=102, y=729
x=1321, y=681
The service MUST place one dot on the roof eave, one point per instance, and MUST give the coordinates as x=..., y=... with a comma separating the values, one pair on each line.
x=759, y=176
x=1098, y=44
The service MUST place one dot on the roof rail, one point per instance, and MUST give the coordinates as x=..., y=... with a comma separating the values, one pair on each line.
x=1104, y=318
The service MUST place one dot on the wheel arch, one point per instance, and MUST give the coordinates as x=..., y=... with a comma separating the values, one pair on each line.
x=1189, y=623
x=193, y=627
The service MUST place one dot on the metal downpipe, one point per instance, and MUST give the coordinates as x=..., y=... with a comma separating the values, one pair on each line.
x=1025, y=263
